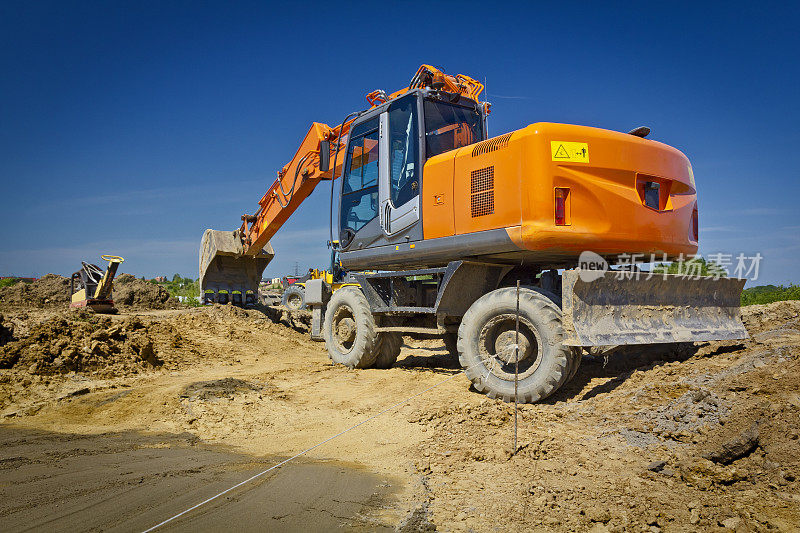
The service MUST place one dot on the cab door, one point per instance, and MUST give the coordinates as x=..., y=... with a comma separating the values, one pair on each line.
x=359, y=185
x=400, y=170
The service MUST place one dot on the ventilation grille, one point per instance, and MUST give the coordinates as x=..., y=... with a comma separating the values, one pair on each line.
x=491, y=145
x=481, y=200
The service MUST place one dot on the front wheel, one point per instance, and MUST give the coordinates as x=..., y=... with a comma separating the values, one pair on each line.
x=349, y=329
x=294, y=298
x=487, y=339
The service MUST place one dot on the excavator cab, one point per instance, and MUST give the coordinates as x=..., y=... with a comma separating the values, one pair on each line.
x=388, y=147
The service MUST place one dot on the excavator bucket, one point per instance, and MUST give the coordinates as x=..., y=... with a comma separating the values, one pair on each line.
x=609, y=311
x=226, y=273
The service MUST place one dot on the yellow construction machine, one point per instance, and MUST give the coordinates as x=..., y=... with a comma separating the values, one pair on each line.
x=294, y=292
x=91, y=287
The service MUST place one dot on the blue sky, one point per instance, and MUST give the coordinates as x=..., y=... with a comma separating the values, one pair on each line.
x=130, y=127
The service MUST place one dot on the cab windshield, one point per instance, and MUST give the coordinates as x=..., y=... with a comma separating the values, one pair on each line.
x=449, y=126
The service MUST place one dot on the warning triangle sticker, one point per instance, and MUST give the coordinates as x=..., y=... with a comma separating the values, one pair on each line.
x=561, y=153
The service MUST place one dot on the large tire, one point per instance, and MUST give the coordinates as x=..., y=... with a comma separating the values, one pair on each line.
x=487, y=332
x=349, y=329
x=389, y=350
x=294, y=298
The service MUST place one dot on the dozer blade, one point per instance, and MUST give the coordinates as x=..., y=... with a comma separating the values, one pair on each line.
x=225, y=269
x=608, y=311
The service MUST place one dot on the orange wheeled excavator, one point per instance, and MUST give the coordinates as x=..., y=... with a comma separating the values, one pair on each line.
x=437, y=224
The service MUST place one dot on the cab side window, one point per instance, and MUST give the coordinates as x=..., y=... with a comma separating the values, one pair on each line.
x=403, y=150
x=449, y=126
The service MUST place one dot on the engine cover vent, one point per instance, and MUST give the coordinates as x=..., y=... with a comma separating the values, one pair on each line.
x=481, y=201
x=491, y=145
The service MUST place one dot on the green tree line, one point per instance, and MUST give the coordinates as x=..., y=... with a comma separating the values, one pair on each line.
x=186, y=287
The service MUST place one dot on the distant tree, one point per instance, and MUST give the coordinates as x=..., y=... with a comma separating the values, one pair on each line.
x=176, y=278
x=691, y=267
x=764, y=294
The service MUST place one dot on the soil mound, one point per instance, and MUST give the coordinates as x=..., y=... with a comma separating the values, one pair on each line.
x=53, y=291
x=50, y=290
x=129, y=291
x=777, y=317
x=84, y=342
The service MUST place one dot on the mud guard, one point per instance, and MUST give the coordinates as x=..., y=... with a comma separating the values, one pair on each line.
x=609, y=311
x=225, y=267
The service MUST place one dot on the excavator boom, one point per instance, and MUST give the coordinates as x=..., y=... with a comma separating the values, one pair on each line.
x=232, y=262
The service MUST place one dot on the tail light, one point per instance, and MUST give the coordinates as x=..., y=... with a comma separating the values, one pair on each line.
x=561, y=206
x=693, y=232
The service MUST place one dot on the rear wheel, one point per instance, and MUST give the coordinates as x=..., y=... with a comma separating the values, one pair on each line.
x=486, y=340
x=294, y=298
x=349, y=329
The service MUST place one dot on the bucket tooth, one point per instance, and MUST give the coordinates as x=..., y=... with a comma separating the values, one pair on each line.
x=226, y=271
x=609, y=311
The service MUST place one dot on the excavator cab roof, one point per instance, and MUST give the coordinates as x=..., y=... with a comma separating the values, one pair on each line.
x=449, y=120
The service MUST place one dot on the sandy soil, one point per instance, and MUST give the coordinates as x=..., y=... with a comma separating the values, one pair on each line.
x=120, y=481
x=673, y=439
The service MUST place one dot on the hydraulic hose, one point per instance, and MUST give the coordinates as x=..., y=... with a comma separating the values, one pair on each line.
x=333, y=174
x=288, y=196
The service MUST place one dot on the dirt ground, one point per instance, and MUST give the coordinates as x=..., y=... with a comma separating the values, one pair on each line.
x=668, y=438
x=119, y=481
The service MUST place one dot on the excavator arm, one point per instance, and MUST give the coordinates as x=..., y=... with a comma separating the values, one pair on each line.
x=295, y=182
x=232, y=262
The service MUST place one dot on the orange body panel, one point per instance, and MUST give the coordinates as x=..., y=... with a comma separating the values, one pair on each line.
x=605, y=207
x=437, y=197
x=487, y=187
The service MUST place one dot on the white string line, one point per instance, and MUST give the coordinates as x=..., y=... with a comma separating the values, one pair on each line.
x=251, y=478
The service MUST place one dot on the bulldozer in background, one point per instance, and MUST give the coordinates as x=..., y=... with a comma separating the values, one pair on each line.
x=294, y=289
x=91, y=287
x=437, y=224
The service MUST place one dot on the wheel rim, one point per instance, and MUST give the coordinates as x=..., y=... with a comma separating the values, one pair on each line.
x=343, y=329
x=496, y=347
x=294, y=301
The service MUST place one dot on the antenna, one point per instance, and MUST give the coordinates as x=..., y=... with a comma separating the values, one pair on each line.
x=486, y=119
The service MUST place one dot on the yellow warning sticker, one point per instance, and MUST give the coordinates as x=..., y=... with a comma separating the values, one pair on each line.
x=570, y=151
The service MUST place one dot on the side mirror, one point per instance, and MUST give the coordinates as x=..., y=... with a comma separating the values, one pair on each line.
x=324, y=156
